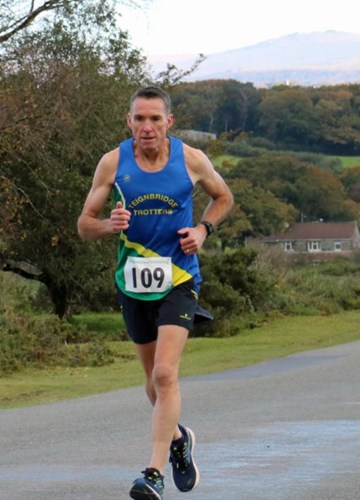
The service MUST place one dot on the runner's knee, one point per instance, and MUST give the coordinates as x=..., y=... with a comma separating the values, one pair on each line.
x=164, y=375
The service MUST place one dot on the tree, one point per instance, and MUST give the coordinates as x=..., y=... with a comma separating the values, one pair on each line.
x=297, y=184
x=233, y=107
x=215, y=106
x=195, y=105
x=276, y=173
x=172, y=75
x=322, y=196
x=19, y=15
x=287, y=116
x=64, y=95
x=350, y=179
x=264, y=212
x=338, y=113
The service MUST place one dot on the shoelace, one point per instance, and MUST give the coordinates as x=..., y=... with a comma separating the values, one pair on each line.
x=154, y=476
x=179, y=456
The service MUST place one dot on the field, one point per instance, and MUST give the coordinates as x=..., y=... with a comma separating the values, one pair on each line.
x=346, y=161
x=349, y=161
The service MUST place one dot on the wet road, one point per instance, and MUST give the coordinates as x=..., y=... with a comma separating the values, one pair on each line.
x=287, y=429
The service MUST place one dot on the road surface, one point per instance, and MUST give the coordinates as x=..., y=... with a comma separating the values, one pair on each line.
x=286, y=429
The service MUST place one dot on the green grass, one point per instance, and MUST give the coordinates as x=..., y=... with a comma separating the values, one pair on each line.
x=228, y=159
x=103, y=326
x=202, y=356
x=349, y=161
x=346, y=161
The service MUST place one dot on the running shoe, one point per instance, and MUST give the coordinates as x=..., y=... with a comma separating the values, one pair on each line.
x=149, y=487
x=185, y=474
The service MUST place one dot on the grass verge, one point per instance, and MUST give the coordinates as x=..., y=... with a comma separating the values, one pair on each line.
x=349, y=161
x=202, y=356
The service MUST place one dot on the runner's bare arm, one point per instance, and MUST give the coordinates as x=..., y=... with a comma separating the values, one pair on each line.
x=90, y=225
x=202, y=172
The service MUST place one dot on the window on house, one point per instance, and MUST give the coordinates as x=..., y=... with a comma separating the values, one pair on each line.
x=314, y=246
x=337, y=246
x=288, y=246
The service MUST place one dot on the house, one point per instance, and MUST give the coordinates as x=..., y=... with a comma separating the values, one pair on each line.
x=195, y=135
x=319, y=239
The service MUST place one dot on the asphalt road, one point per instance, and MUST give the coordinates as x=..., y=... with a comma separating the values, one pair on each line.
x=287, y=429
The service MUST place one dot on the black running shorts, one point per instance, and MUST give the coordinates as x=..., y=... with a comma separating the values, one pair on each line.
x=143, y=317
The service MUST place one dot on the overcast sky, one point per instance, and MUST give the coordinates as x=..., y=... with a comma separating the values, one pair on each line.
x=205, y=26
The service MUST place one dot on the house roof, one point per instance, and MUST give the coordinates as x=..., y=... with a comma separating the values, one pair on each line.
x=317, y=230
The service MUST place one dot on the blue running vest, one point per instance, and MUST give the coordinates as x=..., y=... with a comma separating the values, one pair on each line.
x=160, y=203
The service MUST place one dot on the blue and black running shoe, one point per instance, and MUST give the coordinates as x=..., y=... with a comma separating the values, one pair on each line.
x=149, y=487
x=184, y=471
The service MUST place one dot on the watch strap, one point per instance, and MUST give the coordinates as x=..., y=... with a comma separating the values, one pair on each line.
x=209, y=227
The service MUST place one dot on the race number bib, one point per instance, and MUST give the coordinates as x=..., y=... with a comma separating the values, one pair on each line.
x=148, y=274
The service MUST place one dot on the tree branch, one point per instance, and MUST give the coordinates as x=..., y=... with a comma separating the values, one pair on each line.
x=30, y=17
x=22, y=269
x=27, y=198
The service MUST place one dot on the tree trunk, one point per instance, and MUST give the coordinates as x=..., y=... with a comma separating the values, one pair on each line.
x=60, y=297
x=59, y=293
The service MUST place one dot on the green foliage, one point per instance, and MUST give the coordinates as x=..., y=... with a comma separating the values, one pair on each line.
x=45, y=340
x=231, y=289
x=300, y=288
x=242, y=288
x=302, y=186
x=64, y=93
x=266, y=212
x=324, y=120
x=27, y=339
x=30, y=338
x=214, y=106
x=287, y=117
x=245, y=288
x=323, y=289
x=350, y=179
x=249, y=147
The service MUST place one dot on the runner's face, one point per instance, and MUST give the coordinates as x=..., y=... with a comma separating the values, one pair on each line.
x=149, y=122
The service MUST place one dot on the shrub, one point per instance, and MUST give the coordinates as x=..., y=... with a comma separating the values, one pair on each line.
x=233, y=290
x=243, y=288
x=26, y=340
x=324, y=288
x=39, y=340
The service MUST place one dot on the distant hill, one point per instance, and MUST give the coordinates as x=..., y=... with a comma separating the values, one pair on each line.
x=319, y=58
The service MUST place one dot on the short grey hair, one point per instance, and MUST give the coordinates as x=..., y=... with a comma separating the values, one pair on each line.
x=152, y=92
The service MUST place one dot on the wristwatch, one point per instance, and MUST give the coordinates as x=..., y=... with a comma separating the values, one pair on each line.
x=209, y=227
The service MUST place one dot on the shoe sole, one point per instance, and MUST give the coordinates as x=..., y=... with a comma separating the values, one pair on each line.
x=147, y=495
x=197, y=480
x=144, y=492
x=192, y=455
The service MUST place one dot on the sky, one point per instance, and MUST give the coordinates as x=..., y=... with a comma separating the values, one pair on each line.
x=184, y=27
